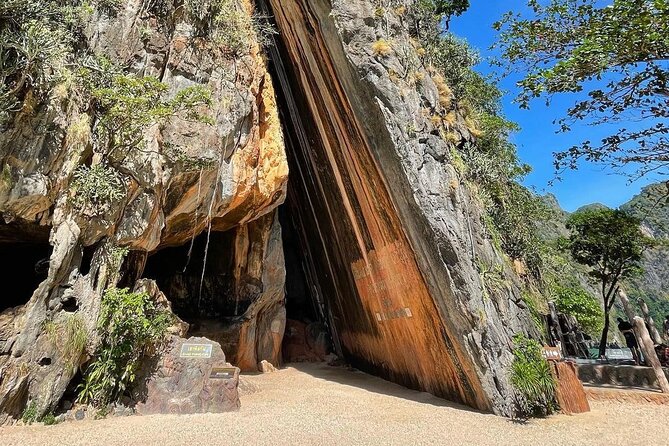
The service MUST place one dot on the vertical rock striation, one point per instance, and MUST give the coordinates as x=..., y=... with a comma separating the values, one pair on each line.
x=393, y=237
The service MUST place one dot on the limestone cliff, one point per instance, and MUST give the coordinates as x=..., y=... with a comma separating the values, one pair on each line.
x=234, y=173
x=393, y=237
x=387, y=242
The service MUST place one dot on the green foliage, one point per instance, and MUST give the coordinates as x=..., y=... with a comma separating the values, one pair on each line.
x=34, y=48
x=532, y=378
x=537, y=306
x=49, y=419
x=127, y=106
x=492, y=277
x=95, y=189
x=575, y=301
x=29, y=415
x=615, y=51
x=610, y=243
x=230, y=25
x=69, y=338
x=442, y=9
x=130, y=326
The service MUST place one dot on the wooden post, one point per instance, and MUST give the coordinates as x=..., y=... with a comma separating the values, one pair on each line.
x=652, y=329
x=648, y=348
x=555, y=324
x=626, y=304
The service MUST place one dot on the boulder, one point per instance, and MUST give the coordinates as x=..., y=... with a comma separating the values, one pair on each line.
x=297, y=344
x=189, y=376
x=266, y=367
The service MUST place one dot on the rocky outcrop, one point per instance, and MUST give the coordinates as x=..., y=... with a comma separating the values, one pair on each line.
x=191, y=376
x=390, y=240
x=393, y=236
x=231, y=170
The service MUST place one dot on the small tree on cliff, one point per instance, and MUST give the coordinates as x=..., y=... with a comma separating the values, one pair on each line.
x=611, y=244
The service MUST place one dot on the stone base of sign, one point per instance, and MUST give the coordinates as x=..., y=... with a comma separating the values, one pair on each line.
x=569, y=392
x=190, y=376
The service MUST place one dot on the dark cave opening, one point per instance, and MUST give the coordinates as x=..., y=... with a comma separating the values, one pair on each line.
x=300, y=304
x=196, y=296
x=25, y=253
x=307, y=336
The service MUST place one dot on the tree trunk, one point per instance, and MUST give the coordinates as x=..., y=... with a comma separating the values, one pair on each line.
x=626, y=305
x=605, y=334
x=652, y=329
x=648, y=349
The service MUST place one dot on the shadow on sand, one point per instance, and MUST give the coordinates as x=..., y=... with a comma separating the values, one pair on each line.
x=355, y=378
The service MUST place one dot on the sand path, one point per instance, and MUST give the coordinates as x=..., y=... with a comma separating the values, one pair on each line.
x=315, y=404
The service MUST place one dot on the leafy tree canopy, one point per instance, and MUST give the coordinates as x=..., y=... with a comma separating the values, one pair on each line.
x=610, y=242
x=623, y=47
x=577, y=302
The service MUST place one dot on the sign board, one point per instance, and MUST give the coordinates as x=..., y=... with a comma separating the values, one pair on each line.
x=222, y=372
x=551, y=353
x=619, y=353
x=195, y=351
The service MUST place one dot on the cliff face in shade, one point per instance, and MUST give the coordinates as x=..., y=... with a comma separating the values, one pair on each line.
x=393, y=238
x=166, y=203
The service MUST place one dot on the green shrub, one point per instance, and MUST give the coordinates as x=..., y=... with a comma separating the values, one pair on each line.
x=49, y=419
x=128, y=105
x=29, y=415
x=575, y=301
x=69, y=338
x=230, y=25
x=532, y=379
x=130, y=326
x=95, y=189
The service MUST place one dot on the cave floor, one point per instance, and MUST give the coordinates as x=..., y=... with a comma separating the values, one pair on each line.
x=314, y=404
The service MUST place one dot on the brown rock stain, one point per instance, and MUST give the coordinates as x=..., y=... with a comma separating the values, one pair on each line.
x=415, y=346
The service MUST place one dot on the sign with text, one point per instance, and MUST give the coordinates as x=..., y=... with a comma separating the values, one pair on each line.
x=195, y=351
x=222, y=373
x=619, y=353
x=551, y=353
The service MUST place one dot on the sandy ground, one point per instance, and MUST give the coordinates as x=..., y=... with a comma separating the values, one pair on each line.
x=319, y=405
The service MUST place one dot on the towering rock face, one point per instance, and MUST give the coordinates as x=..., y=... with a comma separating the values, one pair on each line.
x=230, y=176
x=392, y=236
x=391, y=242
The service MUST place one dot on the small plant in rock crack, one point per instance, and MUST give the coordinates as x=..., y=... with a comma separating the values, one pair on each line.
x=95, y=189
x=69, y=337
x=532, y=379
x=130, y=327
x=29, y=415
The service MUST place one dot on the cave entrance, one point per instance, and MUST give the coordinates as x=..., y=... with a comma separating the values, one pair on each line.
x=200, y=286
x=308, y=336
x=25, y=253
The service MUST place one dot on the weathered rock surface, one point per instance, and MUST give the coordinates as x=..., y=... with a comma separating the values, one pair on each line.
x=240, y=175
x=389, y=237
x=191, y=376
x=392, y=236
x=305, y=343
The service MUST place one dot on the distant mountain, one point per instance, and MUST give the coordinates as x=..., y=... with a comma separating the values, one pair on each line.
x=652, y=207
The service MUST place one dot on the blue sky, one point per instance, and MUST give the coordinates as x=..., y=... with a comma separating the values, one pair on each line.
x=538, y=139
